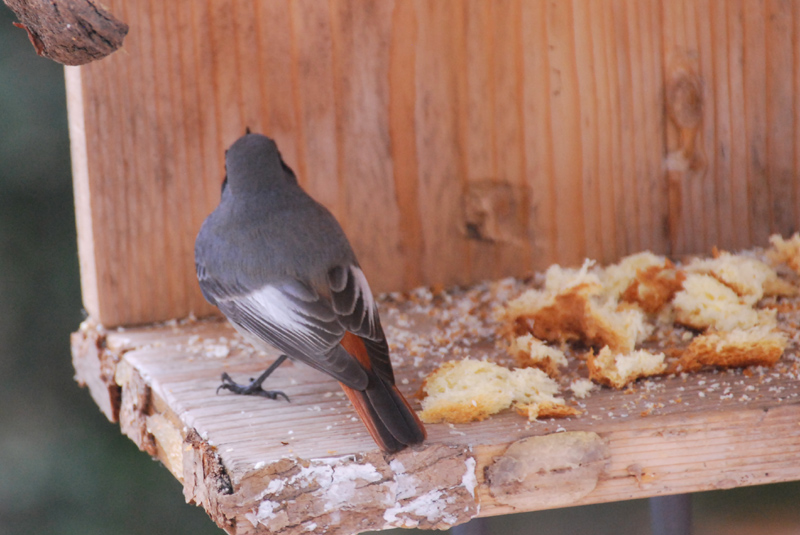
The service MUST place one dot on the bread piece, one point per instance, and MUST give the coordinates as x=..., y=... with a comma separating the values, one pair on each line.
x=785, y=251
x=617, y=370
x=572, y=307
x=759, y=346
x=749, y=277
x=535, y=395
x=616, y=278
x=705, y=302
x=655, y=286
x=558, y=279
x=472, y=390
x=546, y=409
x=530, y=352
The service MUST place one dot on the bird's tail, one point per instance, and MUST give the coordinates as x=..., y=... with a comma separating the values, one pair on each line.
x=386, y=414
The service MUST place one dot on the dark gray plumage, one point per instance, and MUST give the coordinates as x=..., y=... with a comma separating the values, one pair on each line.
x=279, y=266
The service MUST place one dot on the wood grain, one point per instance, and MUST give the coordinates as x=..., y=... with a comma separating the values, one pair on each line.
x=455, y=141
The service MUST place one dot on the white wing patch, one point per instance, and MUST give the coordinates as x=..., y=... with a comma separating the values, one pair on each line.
x=273, y=306
x=362, y=287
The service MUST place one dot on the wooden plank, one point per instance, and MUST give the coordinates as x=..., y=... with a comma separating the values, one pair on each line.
x=607, y=176
x=261, y=466
x=754, y=65
x=538, y=136
x=440, y=170
x=780, y=116
x=402, y=103
x=565, y=129
x=721, y=150
x=454, y=140
x=738, y=177
x=366, y=165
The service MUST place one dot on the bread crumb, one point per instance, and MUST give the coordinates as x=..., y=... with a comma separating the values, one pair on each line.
x=472, y=390
x=706, y=302
x=581, y=388
x=618, y=370
x=532, y=352
x=759, y=346
x=785, y=251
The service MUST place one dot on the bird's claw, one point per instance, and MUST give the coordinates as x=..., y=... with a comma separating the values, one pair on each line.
x=252, y=389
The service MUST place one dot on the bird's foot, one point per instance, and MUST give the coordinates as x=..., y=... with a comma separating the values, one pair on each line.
x=254, y=388
x=251, y=389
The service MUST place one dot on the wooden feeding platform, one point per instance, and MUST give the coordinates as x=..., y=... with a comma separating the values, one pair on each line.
x=456, y=141
x=264, y=466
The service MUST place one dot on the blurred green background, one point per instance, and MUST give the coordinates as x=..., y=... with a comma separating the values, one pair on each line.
x=64, y=469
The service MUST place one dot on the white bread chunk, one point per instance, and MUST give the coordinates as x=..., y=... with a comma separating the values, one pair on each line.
x=706, y=302
x=572, y=307
x=617, y=370
x=471, y=390
x=749, y=277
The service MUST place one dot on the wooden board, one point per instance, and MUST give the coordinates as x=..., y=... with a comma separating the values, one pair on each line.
x=263, y=466
x=455, y=140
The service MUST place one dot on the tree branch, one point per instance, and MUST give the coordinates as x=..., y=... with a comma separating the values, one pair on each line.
x=72, y=32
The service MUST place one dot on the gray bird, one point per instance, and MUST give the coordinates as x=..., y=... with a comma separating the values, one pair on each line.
x=280, y=268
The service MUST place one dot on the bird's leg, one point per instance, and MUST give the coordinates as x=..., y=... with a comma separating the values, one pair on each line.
x=254, y=388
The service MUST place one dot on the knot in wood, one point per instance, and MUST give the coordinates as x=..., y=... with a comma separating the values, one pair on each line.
x=685, y=98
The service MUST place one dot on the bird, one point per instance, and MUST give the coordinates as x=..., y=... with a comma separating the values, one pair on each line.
x=278, y=265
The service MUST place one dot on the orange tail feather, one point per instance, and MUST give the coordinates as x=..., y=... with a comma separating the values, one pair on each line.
x=387, y=415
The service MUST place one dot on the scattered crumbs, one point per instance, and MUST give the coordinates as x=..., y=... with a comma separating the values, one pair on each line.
x=218, y=351
x=259, y=465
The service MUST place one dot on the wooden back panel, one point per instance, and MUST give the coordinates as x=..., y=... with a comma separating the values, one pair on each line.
x=455, y=140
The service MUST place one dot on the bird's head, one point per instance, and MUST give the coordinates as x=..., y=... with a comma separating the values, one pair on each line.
x=254, y=164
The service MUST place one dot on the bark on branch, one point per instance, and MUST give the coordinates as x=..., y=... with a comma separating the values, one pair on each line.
x=72, y=32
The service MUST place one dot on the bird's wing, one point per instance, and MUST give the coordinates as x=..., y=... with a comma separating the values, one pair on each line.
x=356, y=309
x=308, y=325
x=292, y=317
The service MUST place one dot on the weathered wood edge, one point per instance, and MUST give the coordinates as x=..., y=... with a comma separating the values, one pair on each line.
x=440, y=485
x=431, y=487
